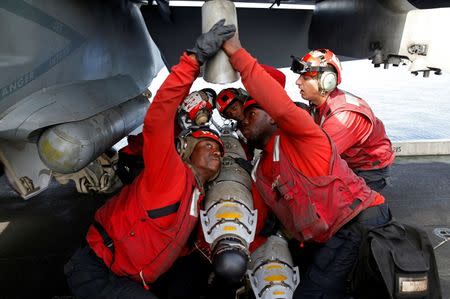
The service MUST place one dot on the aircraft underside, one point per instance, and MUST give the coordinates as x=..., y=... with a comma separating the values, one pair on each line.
x=72, y=83
x=77, y=65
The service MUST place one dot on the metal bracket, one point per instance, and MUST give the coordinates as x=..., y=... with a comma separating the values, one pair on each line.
x=442, y=232
x=418, y=49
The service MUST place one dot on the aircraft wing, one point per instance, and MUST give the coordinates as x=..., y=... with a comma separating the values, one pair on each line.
x=73, y=71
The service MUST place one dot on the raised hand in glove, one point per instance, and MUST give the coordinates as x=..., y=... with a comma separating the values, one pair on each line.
x=210, y=42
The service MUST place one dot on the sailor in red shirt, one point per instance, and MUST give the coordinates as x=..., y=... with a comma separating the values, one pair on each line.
x=359, y=136
x=200, y=106
x=230, y=101
x=301, y=177
x=139, y=233
x=230, y=104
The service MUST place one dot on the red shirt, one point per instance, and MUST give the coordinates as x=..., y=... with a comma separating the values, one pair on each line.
x=302, y=140
x=164, y=177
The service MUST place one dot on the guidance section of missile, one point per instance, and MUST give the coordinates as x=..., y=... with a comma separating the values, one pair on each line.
x=271, y=271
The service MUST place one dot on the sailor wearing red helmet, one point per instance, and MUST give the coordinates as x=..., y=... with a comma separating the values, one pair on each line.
x=300, y=176
x=359, y=136
x=230, y=101
x=139, y=233
x=196, y=109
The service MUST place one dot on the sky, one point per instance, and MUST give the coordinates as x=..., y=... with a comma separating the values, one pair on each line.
x=411, y=107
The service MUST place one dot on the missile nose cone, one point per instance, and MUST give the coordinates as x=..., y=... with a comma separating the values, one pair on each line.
x=230, y=265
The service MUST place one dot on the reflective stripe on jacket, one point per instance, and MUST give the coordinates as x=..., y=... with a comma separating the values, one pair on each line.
x=140, y=245
x=375, y=152
x=313, y=208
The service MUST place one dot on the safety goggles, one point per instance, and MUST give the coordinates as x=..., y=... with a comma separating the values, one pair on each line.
x=301, y=67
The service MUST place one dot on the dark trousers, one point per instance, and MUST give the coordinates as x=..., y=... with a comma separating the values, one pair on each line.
x=88, y=277
x=189, y=277
x=333, y=261
x=376, y=179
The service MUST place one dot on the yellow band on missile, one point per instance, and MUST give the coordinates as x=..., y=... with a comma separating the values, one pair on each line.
x=229, y=228
x=229, y=215
x=275, y=278
x=273, y=266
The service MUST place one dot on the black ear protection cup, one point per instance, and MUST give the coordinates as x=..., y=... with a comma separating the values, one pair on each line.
x=180, y=145
x=181, y=142
x=327, y=81
x=243, y=94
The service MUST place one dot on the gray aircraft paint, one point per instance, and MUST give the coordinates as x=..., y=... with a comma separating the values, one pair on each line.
x=33, y=14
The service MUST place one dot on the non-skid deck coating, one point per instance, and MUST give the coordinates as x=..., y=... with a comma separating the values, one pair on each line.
x=37, y=236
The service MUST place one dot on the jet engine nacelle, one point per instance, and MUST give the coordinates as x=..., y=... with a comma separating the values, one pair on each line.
x=229, y=221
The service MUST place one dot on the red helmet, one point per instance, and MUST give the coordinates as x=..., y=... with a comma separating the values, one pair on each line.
x=250, y=102
x=208, y=133
x=188, y=139
x=317, y=61
x=197, y=101
x=228, y=96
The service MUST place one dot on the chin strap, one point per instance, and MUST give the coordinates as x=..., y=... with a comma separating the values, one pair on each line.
x=197, y=178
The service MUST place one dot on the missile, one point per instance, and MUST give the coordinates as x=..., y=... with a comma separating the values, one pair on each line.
x=228, y=219
x=271, y=271
x=69, y=147
x=218, y=68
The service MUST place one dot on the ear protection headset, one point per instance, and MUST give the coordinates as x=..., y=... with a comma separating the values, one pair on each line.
x=327, y=81
x=327, y=78
x=323, y=64
x=181, y=143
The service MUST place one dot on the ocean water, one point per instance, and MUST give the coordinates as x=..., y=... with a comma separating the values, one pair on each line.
x=411, y=107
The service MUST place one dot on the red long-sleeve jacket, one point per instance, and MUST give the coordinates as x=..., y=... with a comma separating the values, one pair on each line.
x=359, y=135
x=302, y=141
x=150, y=220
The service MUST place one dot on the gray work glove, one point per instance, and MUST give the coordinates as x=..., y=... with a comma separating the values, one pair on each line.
x=210, y=42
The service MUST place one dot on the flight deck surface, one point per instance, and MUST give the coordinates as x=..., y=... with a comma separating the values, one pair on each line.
x=37, y=236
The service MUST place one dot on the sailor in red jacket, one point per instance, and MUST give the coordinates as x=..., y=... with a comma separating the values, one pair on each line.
x=200, y=105
x=139, y=233
x=301, y=177
x=230, y=101
x=359, y=136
